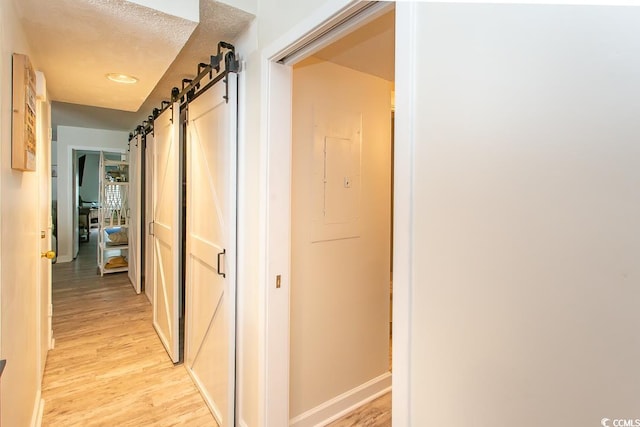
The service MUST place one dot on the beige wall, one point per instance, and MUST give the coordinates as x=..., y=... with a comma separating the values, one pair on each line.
x=524, y=307
x=20, y=245
x=339, y=287
x=186, y=9
x=250, y=6
x=277, y=17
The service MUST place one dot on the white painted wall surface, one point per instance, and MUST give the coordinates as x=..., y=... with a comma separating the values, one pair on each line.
x=250, y=6
x=20, y=248
x=525, y=203
x=70, y=138
x=281, y=18
x=186, y=9
x=339, y=287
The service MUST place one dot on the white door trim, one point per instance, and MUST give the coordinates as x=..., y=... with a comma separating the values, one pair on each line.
x=275, y=219
x=403, y=211
x=278, y=247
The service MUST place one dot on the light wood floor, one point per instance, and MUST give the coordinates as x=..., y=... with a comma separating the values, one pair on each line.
x=108, y=367
x=374, y=414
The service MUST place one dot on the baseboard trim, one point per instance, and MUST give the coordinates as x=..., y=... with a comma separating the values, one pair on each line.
x=341, y=405
x=64, y=258
x=38, y=411
x=242, y=423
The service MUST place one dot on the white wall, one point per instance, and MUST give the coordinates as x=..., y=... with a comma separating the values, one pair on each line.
x=524, y=187
x=339, y=287
x=20, y=248
x=250, y=6
x=279, y=17
x=70, y=138
x=186, y=9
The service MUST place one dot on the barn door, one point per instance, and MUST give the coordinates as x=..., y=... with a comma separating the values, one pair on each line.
x=134, y=212
x=210, y=247
x=165, y=230
x=149, y=209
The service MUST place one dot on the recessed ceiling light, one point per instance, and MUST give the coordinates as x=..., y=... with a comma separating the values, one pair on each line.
x=121, y=78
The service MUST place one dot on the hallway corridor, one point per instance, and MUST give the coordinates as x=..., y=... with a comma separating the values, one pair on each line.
x=108, y=367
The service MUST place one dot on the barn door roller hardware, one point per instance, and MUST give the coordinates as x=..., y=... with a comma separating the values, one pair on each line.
x=192, y=88
x=231, y=63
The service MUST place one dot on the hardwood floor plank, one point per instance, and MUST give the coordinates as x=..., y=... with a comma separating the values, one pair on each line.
x=374, y=414
x=108, y=367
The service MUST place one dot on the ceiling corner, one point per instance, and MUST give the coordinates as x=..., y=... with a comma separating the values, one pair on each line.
x=185, y=9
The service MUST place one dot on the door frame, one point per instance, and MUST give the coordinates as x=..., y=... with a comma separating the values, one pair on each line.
x=71, y=205
x=275, y=218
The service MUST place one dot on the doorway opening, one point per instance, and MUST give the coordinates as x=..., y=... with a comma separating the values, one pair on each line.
x=85, y=196
x=341, y=225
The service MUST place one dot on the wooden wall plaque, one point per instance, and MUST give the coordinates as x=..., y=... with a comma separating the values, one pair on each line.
x=23, y=137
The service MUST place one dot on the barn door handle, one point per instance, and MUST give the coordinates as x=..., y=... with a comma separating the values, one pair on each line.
x=224, y=251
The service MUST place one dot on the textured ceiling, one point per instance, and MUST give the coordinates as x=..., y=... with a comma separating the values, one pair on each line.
x=77, y=42
x=111, y=39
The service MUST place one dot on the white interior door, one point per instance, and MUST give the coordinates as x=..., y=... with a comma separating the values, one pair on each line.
x=211, y=247
x=166, y=229
x=44, y=182
x=134, y=212
x=149, y=264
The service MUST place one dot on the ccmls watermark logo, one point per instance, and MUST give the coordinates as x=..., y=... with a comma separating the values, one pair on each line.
x=606, y=422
